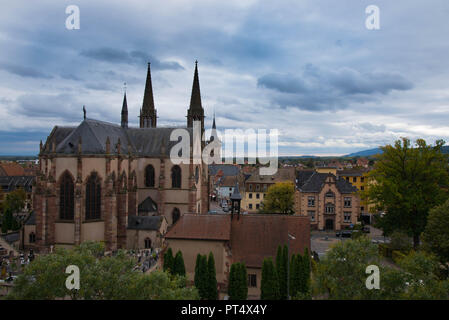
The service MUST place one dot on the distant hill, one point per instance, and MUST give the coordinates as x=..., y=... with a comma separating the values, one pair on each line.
x=372, y=152
x=365, y=153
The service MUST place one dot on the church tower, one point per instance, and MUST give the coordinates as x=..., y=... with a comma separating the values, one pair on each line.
x=196, y=111
x=148, y=112
x=124, y=113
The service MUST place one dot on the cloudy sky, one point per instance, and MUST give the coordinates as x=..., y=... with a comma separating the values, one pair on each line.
x=309, y=68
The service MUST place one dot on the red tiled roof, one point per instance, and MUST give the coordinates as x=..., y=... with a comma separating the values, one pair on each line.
x=201, y=227
x=11, y=169
x=255, y=237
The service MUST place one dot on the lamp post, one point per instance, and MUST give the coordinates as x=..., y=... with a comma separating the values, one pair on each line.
x=288, y=263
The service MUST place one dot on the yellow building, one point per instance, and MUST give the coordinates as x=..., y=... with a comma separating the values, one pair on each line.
x=257, y=185
x=359, y=179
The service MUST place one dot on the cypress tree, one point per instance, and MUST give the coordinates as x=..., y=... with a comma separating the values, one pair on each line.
x=168, y=261
x=197, y=265
x=232, y=283
x=212, y=281
x=243, y=283
x=178, y=265
x=203, y=278
x=306, y=271
x=294, y=279
x=269, y=282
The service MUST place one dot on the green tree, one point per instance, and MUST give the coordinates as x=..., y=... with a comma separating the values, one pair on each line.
x=279, y=198
x=169, y=260
x=203, y=278
x=212, y=275
x=101, y=277
x=196, y=279
x=436, y=233
x=295, y=279
x=305, y=273
x=341, y=274
x=178, y=265
x=281, y=269
x=243, y=283
x=408, y=182
x=238, y=282
x=269, y=287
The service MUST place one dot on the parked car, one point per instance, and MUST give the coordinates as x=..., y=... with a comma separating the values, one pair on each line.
x=213, y=212
x=344, y=233
x=366, y=229
x=226, y=209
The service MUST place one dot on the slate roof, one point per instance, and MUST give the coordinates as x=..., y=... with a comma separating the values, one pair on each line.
x=227, y=169
x=201, y=227
x=12, y=237
x=94, y=133
x=31, y=219
x=236, y=193
x=11, y=183
x=228, y=181
x=314, y=182
x=351, y=173
x=147, y=205
x=151, y=223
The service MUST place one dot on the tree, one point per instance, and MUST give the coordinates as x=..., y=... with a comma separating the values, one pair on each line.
x=101, y=277
x=279, y=198
x=178, y=265
x=269, y=287
x=294, y=275
x=196, y=279
x=203, y=278
x=238, y=282
x=407, y=182
x=212, y=275
x=169, y=260
x=341, y=273
x=305, y=273
x=281, y=269
x=243, y=283
x=436, y=233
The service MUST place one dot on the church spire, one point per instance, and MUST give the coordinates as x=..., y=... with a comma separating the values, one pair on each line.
x=148, y=112
x=196, y=111
x=125, y=112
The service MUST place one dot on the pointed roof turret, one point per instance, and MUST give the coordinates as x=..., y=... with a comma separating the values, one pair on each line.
x=148, y=101
x=195, y=99
x=125, y=112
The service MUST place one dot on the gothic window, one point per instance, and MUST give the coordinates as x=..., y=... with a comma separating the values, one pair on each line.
x=93, y=197
x=66, y=194
x=176, y=177
x=147, y=243
x=149, y=176
x=175, y=215
x=32, y=237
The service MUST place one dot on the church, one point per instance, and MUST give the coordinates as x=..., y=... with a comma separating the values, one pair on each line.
x=97, y=177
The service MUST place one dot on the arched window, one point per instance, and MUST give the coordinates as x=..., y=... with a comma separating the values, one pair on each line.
x=176, y=214
x=197, y=174
x=149, y=176
x=66, y=193
x=32, y=237
x=93, y=197
x=176, y=177
x=147, y=243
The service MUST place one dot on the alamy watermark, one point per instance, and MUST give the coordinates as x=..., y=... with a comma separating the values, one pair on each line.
x=241, y=147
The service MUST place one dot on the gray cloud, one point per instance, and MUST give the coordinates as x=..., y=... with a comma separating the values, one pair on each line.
x=135, y=57
x=24, y=71
x=317, y=89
